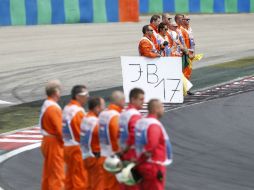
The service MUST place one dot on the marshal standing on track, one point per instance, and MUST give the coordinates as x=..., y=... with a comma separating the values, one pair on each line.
x=52, y=143
x=90, y=144
x=127, y=121
x=109, y=135
x=153, y=148
x=73, y=113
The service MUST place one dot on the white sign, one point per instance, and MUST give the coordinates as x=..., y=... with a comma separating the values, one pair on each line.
x=160, y=78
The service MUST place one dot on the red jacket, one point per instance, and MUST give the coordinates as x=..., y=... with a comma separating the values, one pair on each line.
x=155, y=143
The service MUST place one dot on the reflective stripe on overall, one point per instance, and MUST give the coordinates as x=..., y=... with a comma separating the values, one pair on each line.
x=104, y=121
x=145, y=38
x=87, y=128
x=124, y=120
x=45, y=106
x=141, y=130
x=174, y=36
x=191, y=37
x=167, y=49
x=68, y=113
x=181, y=36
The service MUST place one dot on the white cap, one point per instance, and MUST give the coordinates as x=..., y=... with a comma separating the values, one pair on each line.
x=84, y=93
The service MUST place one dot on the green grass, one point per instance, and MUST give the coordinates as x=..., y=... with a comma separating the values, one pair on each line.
x=26, y=115
x=219, y=73
x=238, y=64
x=16, y=117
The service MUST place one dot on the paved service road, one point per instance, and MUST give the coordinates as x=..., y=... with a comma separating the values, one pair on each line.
x=212, y=145
x=89, y=53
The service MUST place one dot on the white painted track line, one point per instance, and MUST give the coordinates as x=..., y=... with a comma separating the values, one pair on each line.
x=19, y=140
x=25, y=133
x=24, y=136
x=4, y=102
x=35, y=128
x=30, y=131
x=17, y=151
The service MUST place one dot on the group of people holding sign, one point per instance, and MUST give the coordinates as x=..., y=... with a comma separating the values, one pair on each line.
x=170, y=36
x=113, y=148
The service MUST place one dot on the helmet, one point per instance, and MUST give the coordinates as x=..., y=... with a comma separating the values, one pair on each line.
x=128, y=175
x=113, y=164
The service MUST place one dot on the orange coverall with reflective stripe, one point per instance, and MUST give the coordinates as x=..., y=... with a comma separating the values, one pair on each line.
x=76, y=176
x=93, y=165
x=174, y=52
x=110, y=181
x=187, y=70
x=52, y=150
x=154, y=36
x=146, y=48
x=185, y=37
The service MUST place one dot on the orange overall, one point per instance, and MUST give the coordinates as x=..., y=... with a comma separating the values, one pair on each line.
x=110, y=182
x=52, y=146
x=147, y=47
x=76, y=176
x=187, y=71
x=94, y=165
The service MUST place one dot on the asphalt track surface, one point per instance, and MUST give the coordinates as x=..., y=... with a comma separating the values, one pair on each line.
x=90, y=53
x=212, y=145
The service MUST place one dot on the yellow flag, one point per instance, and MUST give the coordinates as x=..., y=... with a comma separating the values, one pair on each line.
x=198, y=57
x=187, y=85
